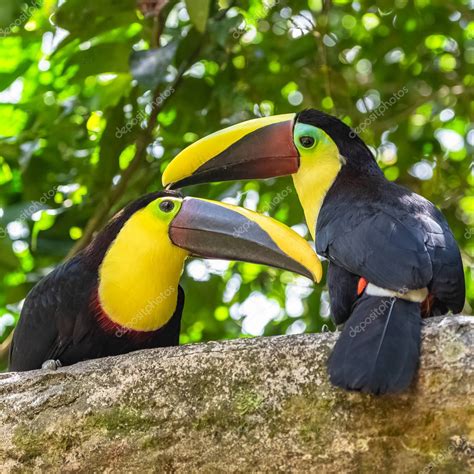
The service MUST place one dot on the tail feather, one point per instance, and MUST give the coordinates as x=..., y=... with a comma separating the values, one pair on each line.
x=378, y=350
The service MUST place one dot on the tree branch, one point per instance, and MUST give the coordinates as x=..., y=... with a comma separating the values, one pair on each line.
x=5, y=350
x=247, y=405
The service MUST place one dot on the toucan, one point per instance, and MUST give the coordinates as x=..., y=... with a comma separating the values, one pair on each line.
x=122, y=293
x=392, y=256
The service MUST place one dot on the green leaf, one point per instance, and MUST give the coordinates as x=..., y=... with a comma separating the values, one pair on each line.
x=111, y=93
x=149, y=67
x=8, y=260
x=199, y=13
x=11, y=10
x=112, y=143
x=85, y=19
x=6, y=79
x=187, y=46
x=226, y=30
x=103, y=58
x=45, y=222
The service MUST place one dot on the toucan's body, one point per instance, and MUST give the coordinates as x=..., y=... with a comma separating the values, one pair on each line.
x=392, y=255
x=122, y=292
x=369, y=227
x=396, y=240
x=63, y=321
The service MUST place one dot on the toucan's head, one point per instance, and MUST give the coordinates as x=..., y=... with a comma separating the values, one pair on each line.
x=266, y=147
x=143, y=249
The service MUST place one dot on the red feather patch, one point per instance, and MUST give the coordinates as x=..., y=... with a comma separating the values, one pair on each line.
x=361, y=286
x=111, y=327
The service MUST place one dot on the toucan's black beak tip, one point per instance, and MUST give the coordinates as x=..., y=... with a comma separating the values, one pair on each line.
x=216, y=230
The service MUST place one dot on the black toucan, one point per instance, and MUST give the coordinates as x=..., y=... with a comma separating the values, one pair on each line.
x=122, y=292
x=392, y=257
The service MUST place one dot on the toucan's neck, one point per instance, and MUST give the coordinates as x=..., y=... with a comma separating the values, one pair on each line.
x=139, y=276
x=313, y=180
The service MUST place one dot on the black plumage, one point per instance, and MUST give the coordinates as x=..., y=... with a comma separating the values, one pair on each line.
x=343, y=285
x=395, y=239
x=61, y=319
x=398, y=238
x=379, y=348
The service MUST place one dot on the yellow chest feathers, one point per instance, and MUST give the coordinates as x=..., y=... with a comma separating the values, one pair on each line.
x=139, y=276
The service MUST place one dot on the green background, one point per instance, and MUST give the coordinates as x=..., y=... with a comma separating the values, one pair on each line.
x=72, y=72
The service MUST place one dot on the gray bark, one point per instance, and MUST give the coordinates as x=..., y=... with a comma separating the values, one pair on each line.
x=260, y=404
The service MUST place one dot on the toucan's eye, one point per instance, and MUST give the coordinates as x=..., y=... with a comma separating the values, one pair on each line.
x=166, y=206
x=307, y=141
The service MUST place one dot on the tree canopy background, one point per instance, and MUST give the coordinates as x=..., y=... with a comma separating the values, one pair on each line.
x=96, y=96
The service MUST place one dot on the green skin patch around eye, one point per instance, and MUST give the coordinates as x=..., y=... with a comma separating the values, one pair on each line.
x=305, y=130
x=164, y=216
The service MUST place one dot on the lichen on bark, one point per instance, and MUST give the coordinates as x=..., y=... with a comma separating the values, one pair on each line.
x=261, y=404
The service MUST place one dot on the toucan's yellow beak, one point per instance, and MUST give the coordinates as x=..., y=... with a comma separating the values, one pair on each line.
x=256, y=149
x=213, y=229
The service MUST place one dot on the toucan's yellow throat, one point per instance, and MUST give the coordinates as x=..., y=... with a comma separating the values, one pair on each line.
x=139, y=274
x=320, y=163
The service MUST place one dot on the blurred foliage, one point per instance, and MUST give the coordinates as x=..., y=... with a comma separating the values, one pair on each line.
x=80, y=78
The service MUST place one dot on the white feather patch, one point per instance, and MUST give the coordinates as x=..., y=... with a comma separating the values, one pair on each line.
x=416, y=296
